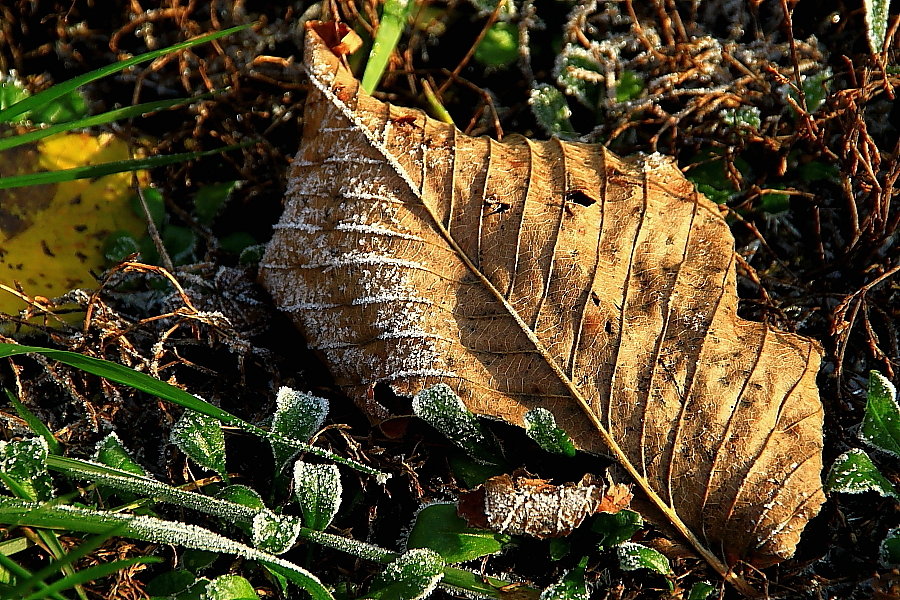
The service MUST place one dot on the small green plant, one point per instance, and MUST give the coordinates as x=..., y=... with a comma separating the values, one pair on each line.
x=854, y=472
x=438, y=527
x=26, y=465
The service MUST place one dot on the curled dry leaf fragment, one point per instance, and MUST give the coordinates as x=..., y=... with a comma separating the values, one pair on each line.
x=525, y=505
x=528, y=274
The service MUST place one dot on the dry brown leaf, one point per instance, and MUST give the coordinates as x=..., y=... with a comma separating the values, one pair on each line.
x=550, y=274
x=526, y=505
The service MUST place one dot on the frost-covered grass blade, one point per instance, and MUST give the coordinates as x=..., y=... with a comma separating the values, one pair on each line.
x=876, y=14
x=570, y=587
x=150, y=529
x=48, y=96
x=145, y=383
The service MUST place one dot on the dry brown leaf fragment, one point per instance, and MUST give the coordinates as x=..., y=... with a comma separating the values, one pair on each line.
x=527, y=505
x=603, y=291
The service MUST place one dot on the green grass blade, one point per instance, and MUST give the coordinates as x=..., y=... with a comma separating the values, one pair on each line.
x=103, y=118
x=119, y=166
x=90, y=574
x=160, y=389
x=35, y=424
x=151, y=529
x=393, y=22
x=64, y=561
x=61, y=89
x=21, y=574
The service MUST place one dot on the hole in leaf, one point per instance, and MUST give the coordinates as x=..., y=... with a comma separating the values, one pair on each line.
x=579, y=197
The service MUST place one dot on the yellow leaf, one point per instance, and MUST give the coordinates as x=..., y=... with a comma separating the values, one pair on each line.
x=51, y=236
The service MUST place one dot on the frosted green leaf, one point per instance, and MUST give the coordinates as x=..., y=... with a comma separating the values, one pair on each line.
x=440, y=407
x=23, y=468
x=318, y=490
x=298, y=416
x=196, y=561
x=881, y=425
x=580, y=74
x=172, y=584
x=701, y=590
x=439, y=528
x=200, y=437
x=615, y=528
x=211, y=198
x=243, y=495
x=273, y=533
x=230, y=587
x=854, y=473
x=889, y=550
x=500, y=46
x=551, y=111
x=635, y=556
x=629, y=86
x=571, y=587
x=876, y=14
x=412, y=575
x=111, y=452
x=742, y=118
x=540, y=425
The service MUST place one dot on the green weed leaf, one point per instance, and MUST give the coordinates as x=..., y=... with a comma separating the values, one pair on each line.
x=571, y=587
x=635, y=556
x=297, y=415
x=551, y=111
x=499, y=47
x=579, y=74
x=889, y=550
x=854, y=473
x=145, y=383
x=701, y=590
x=200, y=437
x=23, y=468
x=439, y=528
x=630, y=86
x=211, y=198
x=412, y=575
x=275, y=534
x=615, y=528
x=34, y=423
x=540, y=425
x=111, y=452
x=440, y=407
x=881, y=425
x=318, y=489
x=230, y=587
